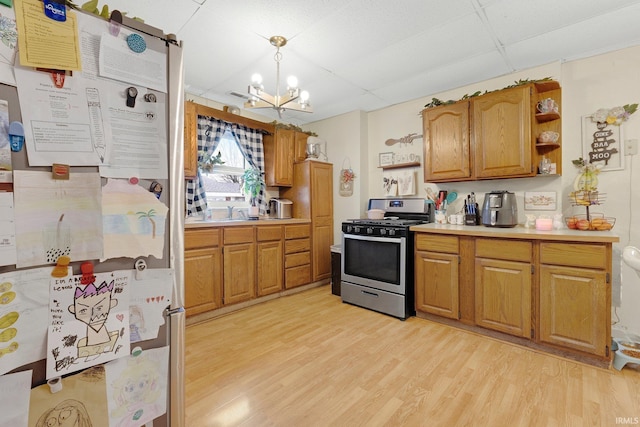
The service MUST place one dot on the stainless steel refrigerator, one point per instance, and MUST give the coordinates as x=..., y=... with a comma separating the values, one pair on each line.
x=172, y=195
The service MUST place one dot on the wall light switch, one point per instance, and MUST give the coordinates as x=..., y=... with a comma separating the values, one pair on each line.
x=631, y=147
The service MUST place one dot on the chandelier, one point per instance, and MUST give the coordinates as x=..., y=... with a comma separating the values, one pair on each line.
x=293, y=99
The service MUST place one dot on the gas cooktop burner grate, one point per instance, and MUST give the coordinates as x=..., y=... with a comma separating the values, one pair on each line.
x=387, y=222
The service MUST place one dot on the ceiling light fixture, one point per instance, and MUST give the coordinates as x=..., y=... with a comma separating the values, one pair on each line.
x=294, y=99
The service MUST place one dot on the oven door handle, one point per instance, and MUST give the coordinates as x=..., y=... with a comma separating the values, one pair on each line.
x=373, y=239
x=373, y=294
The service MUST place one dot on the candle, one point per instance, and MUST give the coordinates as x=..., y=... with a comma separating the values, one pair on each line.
x=544, y=224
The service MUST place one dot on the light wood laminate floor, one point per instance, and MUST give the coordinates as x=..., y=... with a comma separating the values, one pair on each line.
x=310, y=360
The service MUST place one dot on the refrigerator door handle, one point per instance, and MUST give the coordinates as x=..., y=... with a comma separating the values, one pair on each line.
x=171, y=312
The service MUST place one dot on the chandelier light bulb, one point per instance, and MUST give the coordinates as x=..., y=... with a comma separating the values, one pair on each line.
x=256, y=79
x=304, y=96
x=292, y=82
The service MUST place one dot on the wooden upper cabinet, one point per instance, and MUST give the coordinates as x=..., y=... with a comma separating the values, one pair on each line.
x=190, y=140
x=300, y=150
x=446, y=143
x=278, y=157
x=492, y=135
x=502, y=133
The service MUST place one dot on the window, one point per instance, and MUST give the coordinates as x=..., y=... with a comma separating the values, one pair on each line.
x=222, y=171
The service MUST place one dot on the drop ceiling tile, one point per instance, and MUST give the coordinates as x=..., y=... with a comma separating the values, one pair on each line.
x=276, y=17
x=444, y=44
x=364, y=26
x=462, y=73
x=586, y=38
x=516, y=20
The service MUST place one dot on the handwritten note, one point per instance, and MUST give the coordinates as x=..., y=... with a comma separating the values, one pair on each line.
x=46, y=43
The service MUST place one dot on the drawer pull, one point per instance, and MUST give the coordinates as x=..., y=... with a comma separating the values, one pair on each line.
x=370, y=293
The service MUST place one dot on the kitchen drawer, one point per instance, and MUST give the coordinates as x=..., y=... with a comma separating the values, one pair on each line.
x=297, y=231
x=269, y=232
x=511, y=250
x=437, y=243
x=201, y=238
x=297, y=245
x=590, y=255
x=233, y=235
x=297, y=276
x=295, y=260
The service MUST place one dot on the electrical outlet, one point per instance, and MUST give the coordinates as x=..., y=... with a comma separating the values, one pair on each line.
x=631, y=147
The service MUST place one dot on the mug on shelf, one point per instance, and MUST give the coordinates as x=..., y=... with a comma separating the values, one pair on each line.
x=548, y=136
x=547, y=105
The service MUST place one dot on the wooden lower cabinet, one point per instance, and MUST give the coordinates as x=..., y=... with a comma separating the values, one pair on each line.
x=269, y=258
x=437, y=288
x=229, y=265
x=575, y=297
x=437, y=275
x=239, y=265
x=503, y=296
x=554, y=294
x=297, y=258
x=564, y=294
x=202, y=271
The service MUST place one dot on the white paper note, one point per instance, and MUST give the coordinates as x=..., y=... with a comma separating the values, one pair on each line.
x=8, y=255
x=15, y=391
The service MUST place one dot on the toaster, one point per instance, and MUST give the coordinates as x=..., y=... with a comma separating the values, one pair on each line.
x=280, y=208
x=500, y=209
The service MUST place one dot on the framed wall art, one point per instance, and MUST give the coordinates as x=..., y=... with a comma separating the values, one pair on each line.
x=386, y=159
x=540, y=200
x=602, y=144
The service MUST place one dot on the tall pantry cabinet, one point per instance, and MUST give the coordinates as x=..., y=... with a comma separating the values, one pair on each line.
x=312, y=197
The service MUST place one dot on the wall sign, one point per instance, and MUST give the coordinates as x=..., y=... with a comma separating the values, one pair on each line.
x=602, y=144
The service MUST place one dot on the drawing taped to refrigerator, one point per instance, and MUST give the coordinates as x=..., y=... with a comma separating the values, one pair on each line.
x=91, y=221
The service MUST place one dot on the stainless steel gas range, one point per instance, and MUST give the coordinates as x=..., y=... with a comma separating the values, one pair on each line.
x=377, y=257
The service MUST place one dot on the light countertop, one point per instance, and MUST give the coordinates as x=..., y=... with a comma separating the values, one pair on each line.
x=518, y=232
x=237, y=222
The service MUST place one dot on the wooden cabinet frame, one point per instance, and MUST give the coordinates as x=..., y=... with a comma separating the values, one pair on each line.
x=191, y=113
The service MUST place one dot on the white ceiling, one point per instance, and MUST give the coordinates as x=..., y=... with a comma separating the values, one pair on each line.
x=369, y=54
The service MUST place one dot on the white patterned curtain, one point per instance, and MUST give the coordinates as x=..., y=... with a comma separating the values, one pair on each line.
x=209, y=133
x=250, y=143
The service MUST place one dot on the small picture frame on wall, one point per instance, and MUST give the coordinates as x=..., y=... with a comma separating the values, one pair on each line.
x=386, y=159
x=540, y=200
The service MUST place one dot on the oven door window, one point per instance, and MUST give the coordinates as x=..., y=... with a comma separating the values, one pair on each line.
x=378, y=259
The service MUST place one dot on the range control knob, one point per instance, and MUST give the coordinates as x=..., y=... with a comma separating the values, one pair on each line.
x=369, y=230
x=356, y=229
x=392, y=232
x=383, y=231
x=349, y=228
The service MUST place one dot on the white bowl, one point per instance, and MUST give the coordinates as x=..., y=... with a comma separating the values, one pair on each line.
x=375, y=214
